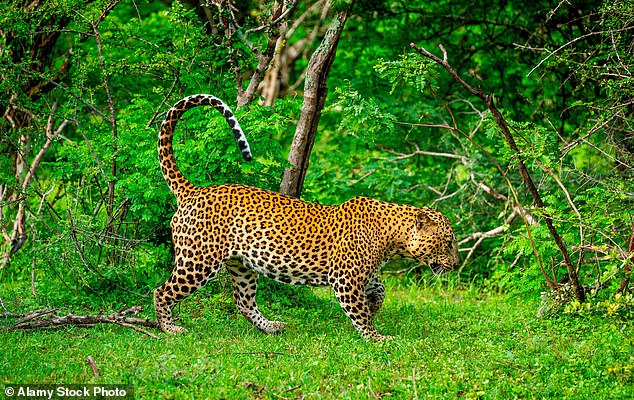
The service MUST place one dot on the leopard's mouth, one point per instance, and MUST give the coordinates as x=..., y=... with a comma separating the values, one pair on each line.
x=437, y=268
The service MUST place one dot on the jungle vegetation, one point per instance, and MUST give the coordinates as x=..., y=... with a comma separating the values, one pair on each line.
x=514, y=119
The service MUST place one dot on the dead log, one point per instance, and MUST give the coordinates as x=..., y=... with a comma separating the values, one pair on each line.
x=50, y=318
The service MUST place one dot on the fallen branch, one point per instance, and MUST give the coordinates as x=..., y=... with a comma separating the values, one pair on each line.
x=49, y=319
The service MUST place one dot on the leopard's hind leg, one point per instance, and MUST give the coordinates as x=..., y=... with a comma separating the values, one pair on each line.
x=245, y=283
x=189, y=274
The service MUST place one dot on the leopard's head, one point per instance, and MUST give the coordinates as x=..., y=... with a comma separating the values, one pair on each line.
x=432, y=241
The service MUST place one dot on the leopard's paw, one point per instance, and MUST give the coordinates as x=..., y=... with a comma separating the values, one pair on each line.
x=278, y=327
x=174, y=330
x=274, y=327
x=377, y=337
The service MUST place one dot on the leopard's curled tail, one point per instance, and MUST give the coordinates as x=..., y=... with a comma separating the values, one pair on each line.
x=174, y=177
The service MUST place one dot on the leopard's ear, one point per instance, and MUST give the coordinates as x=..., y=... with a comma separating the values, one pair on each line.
x=423, y=222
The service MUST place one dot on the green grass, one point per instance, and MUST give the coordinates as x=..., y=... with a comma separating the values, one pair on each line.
x=449, y=343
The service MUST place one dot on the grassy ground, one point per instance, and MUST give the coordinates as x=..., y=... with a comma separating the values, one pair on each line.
x=449, y=343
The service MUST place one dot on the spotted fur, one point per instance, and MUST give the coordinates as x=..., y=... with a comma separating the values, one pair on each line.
x=252, y=231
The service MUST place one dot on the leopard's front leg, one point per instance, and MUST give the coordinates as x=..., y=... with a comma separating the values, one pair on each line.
x=374, y=293
x=352, y=297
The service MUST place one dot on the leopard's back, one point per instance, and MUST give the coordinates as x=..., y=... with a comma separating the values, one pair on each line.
x=284, y=238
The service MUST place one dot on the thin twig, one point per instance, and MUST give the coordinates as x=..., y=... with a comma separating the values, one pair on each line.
x=587, y=35
x=552, y=174
x=93, y=366
x=276, y=21
x=623, y=266
x=370, y=172
x=480, y=236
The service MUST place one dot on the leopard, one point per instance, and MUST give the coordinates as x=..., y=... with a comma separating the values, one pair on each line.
x=252, y=232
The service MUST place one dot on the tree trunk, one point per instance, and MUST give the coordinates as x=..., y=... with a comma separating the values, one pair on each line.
x=277, y=80
x=315, y=91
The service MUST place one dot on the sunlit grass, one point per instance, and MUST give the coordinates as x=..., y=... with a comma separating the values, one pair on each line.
x=450, y=342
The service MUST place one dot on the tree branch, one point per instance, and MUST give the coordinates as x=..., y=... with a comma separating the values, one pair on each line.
x=18, y=236
x=528, y=181
x=277, y=21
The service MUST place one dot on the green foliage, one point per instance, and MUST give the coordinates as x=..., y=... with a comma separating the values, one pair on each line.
x=564, y=122
x=395, y=128
x=340, y=5
x=619, y=308
x=409, y=70
x=362, y=117
x=149, y=56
